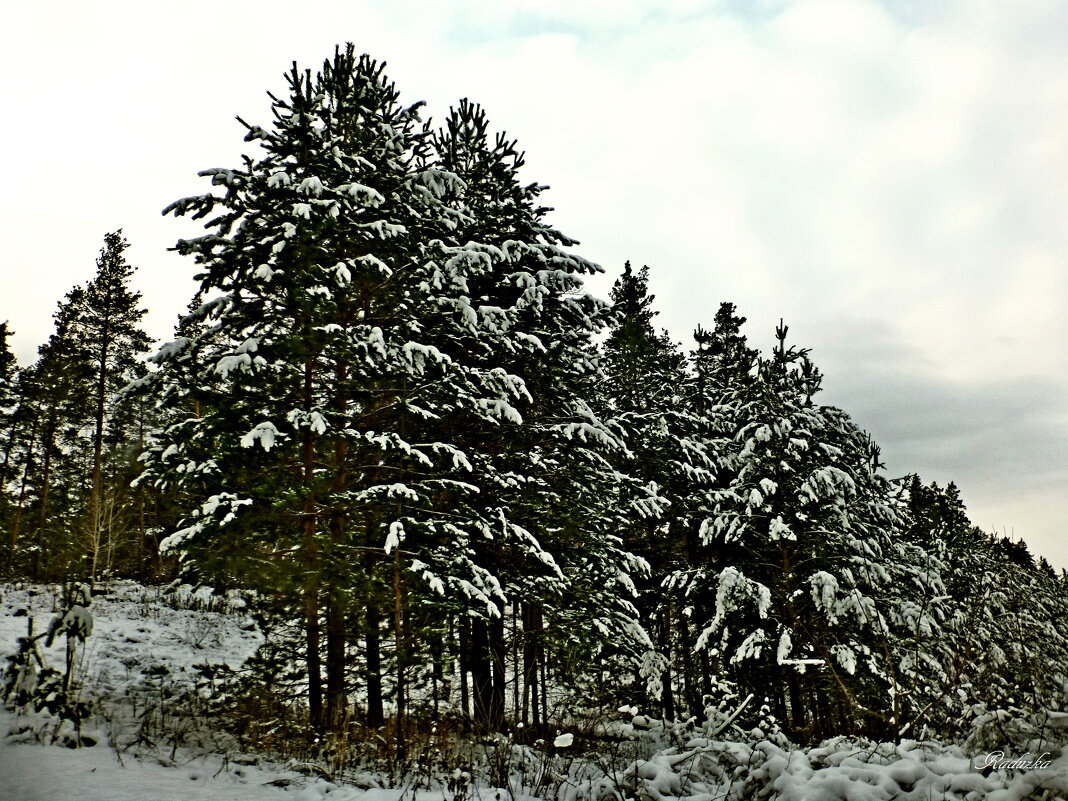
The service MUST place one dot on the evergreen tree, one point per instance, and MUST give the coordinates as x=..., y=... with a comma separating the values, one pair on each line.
x=1003, y=637
x=47, y=448
x=643, y=394
x=113, y=341
x=331, y=397
x=8, y=428
x=644, y=368
x=547, y=475
x=67, y=454
x=801, y=561
x=723, y=362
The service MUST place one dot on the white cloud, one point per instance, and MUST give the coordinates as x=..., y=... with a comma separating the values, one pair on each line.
x=896, y=162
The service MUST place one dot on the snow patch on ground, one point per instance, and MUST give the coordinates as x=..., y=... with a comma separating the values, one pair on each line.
x=54, y=773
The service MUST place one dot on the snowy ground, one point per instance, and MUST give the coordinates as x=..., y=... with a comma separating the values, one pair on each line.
x=137, y=632
x=143, y=637
x=54, y=773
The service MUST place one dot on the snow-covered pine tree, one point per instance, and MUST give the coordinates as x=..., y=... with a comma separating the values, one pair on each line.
x=673, y=455
x=290, y=382
x=559, y=557
x=723, y=361
x=643, y=367
x=1003, y=637
x=331, y=394
x=800, y=553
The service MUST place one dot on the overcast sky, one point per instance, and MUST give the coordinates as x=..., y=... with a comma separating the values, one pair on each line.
x=889, y=176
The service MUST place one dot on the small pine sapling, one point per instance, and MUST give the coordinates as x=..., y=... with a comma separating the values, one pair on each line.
x=29, y=680
x=54, y=690
x=75, y=622
x=22, y=670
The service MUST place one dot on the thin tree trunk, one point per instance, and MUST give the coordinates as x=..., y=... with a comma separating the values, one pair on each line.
x=497, y=651
x=822, y=712
x=464, y=663
x=667, y=698
x=481, y=674
x=140, y=559
x=531, y=647
x=336, y=634
x=515, y=663
x=336, y=662
x=46, y=485
x=311, y=565
x=98, y=452
x=543, y=656
x=401, y=653
x=706, y=673
x=797, y=706
x=372, y=638
x=689, y=672
x=437, y=675
x=153, y=539
x=312, y=635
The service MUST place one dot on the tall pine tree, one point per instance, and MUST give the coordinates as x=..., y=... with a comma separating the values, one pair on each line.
x=330, y=397
x=8, y=430
x=49, y=450
x=547, y=475
x=109, y=328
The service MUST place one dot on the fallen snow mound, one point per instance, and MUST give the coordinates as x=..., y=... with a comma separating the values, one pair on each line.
x=839, y=770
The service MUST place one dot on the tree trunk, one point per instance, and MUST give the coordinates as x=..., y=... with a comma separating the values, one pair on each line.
x=667, y=698
x=531, y=639
x=401, y=656
x=543, y=657
x=481, y=674
x=372, y=638
x=706, y=673
x=515, y=664
x=312, y=638
x=98, y=453
x=691, y=690
x=463, y=626
x=437, y=670
x=797, y=706
x=46, y=485
x=311, y=564
x=336, y=660
x=497, y=654
x=337, y=610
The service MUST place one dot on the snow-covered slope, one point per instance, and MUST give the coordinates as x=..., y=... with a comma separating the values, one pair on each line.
x=140, y=636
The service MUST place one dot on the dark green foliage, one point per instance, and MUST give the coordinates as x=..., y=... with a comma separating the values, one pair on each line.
x=110, y=332
x=71, y=439
x=9, y=432
x=389, y=412
x=52, y=410
x=379, y=397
